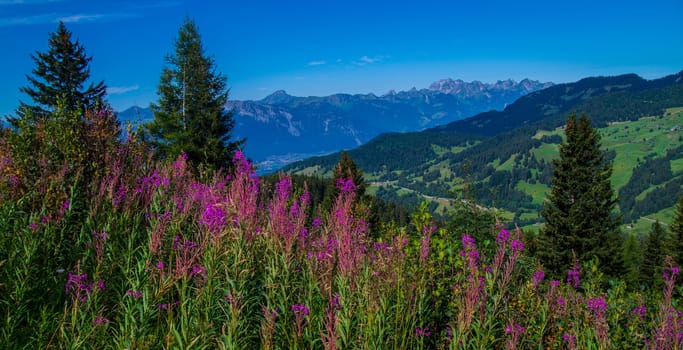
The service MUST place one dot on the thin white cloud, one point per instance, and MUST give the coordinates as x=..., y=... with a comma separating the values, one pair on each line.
x=368, y=60
x=81, y=18
x=317, y=63
x=117, y=90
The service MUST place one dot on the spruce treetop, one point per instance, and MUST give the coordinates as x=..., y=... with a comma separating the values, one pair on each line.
x=190, y=115
x=59, y=78
x=580, y=209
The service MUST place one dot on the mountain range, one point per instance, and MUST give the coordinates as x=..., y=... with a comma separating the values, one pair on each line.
x=506, y=155
x=282, y=128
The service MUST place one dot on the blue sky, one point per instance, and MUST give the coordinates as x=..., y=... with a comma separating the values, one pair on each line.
x=324, y=47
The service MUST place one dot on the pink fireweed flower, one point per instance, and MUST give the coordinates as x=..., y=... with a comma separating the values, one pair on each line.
x=134, y=294
x=470, y=253
x=517, y=246
x=198, y=270
x=468, y=241
x=597, y=305
x=537, y=278
x=100, y=320
x=570, y=340
x=160, y=265
x=180, y=164
x=671, y=273
x=99, y=242
x=78, y=287
x=425, y=242
x=241, y=161
x=639, y=312
x=346, y=185
x=573, y=276
x=317, y=222
x=422, y=332
x=503, y=236
x=598, y=308
x=119, y=196
x=515, y=332
x=213, y=218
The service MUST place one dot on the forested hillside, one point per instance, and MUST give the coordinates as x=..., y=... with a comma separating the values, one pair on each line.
x=510, y=167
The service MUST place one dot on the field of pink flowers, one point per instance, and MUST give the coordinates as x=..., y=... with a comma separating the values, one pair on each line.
x=160, y=255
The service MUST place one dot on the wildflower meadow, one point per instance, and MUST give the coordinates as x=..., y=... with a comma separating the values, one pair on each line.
x=147, y=254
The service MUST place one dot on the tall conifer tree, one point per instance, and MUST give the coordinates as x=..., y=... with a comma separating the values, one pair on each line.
x=190, y=115
x=579, y=210
x=344, y=169
x=653, y=256
x=674, y=246
x=58, y=80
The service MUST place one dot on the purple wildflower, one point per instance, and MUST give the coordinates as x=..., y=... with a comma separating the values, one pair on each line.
x=100, y=320
x=573, y=276
x=317, y=222
x=346, y=185
x=537, y=278
x=78, y=287
x=517, y=245
x=639, y=312
x=101, y=286
x=213, y=217
x=598, y=305
x=134, y=294
x=422, y=332
x=198, y=270
x=503, y=236
x=570, y=339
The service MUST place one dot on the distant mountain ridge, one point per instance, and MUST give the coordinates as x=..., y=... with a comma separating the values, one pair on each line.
x=506, y=154
x=284, y=126
x=281, y=128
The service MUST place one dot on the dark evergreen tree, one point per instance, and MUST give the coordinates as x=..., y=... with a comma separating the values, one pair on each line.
x=653, y=257
x=58, y=80
x=470, y=217
x=344, y=169
x=632, y=255
x=190, y=115
x=579, y=211
x=674, y=246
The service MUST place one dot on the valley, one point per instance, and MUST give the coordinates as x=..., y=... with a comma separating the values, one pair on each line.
x=510, y=169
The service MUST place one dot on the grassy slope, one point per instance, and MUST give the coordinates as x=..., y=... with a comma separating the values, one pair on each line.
x=631, y=141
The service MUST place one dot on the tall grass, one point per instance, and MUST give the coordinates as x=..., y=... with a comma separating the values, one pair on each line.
x=156, y=255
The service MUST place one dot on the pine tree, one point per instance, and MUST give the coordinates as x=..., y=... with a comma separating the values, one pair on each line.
x=579, y=211
x=653, y=257
x=190, y=115
x=674, y=246
x=632, y=255
x=58, y=80
x=344, y=169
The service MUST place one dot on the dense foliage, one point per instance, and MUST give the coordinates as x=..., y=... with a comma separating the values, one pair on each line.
x=160, y=257
x=190, y=116
x=580, y=218
x=58, y=80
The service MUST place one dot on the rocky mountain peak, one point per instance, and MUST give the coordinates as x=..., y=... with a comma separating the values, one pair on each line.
x=277, y=97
